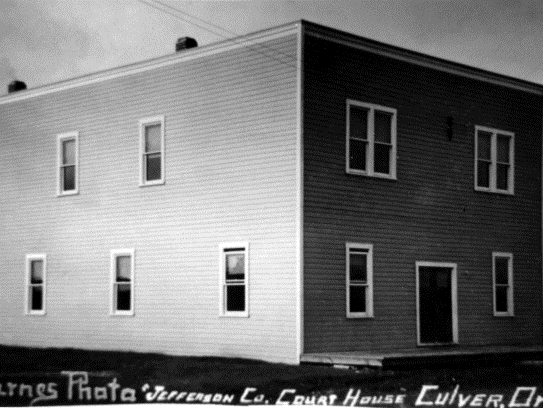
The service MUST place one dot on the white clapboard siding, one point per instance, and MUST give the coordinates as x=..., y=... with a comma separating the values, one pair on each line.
x=230, y=142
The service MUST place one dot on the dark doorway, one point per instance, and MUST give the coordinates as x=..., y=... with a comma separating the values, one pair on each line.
x=435, y=305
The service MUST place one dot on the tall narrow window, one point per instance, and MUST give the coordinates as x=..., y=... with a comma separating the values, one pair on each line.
x=359, y=261
x=36, y=266
x=152, y=151
x=122, y=280
x=502, y=264
x=234, y=279
x=494, y=160
x=68, y=163
x=371, y=140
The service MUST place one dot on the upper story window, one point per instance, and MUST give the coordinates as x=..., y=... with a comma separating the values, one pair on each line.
x=68, y=163
x=36, y=267
x=122, y=282
x=234, y=274
x=359, y=280
x=502, y=267
x=494, y=160
x=152, y=151
x=371, y=140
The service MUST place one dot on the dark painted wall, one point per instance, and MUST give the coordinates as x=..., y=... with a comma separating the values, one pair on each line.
x=430, y=213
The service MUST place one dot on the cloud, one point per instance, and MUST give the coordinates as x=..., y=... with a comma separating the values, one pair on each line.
x=501, y=35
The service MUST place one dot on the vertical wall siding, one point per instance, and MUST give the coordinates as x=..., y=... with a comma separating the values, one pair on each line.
x=430, y=213
x=230, y=139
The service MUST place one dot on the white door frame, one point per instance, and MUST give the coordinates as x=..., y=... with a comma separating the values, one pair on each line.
x=454, y=299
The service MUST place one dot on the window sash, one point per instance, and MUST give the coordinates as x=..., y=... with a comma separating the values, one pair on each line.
x=68, y=163
x=36, y=284
x=353, y=285
x=152, y=161
x=122, y=282
x=234, y=292
x=502, y=287
x=372, y=148
x=500, y=177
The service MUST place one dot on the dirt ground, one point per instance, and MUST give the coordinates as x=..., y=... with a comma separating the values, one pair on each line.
x=66, y=376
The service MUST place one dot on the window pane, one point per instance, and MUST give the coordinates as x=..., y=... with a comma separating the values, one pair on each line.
x=483, y=145
x=382, y=158
x=36, y=297
x=503, y=149
x=501, y=266
x=68, y=151
x=152, y=138
x=358, y=122
x=235, y=266
x=235, y=298
x=123, y=296
x=36, y=272
x=68, y=178
x=483, y=174
x=383, y=127
x=502, y=177
x=358, y=267
x=123, y=268
x=357, y=299
x=153, y=167
x=358, y=155
x=501, y=299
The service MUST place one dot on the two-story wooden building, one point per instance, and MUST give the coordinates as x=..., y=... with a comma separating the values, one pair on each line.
x=296, y=190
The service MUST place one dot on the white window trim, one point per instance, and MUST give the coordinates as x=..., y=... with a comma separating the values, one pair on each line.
x=29, y=259
x=454, y=298
x=369, y=296
x=142, y=124
x=61, y=138
x=510, y=298
x=113, y=276
x=222, y=279
x=370, y=156
x=493, y=160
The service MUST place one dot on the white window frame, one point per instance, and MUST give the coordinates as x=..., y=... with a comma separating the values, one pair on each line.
x=28, y=284
x=352, y=247
x=510, y=300
x=60, y=139
x=494, y=159
x=223, y=250
x=113, y=280
x=370, y=151
x=143, y=123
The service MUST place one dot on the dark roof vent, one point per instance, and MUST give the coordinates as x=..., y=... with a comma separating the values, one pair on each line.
x=15, y=86
x=184, y=43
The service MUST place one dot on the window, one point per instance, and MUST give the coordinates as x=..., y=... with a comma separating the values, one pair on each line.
x=36, y=267
x=371, y=140
x=68, y=163
x=359, y=280
x=502, y=266
x=234, y=272
x=494, y=160
x=122, y=282
x=152, y=151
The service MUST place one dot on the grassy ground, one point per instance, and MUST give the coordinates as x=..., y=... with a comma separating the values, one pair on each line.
x=221, y=375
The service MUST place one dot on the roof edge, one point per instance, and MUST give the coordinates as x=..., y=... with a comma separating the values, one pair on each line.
x=418, y=58
x=170, y=59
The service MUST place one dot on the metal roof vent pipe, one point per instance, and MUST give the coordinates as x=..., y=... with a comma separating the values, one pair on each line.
x=16, y=86
x=184, y=43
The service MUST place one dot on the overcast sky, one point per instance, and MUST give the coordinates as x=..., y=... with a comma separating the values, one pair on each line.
x=45, y=41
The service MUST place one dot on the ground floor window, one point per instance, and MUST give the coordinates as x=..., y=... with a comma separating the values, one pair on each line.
x=36, y=267
x=234, y=277
x=502, y=267
x=122, y=282
x=359, y=261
